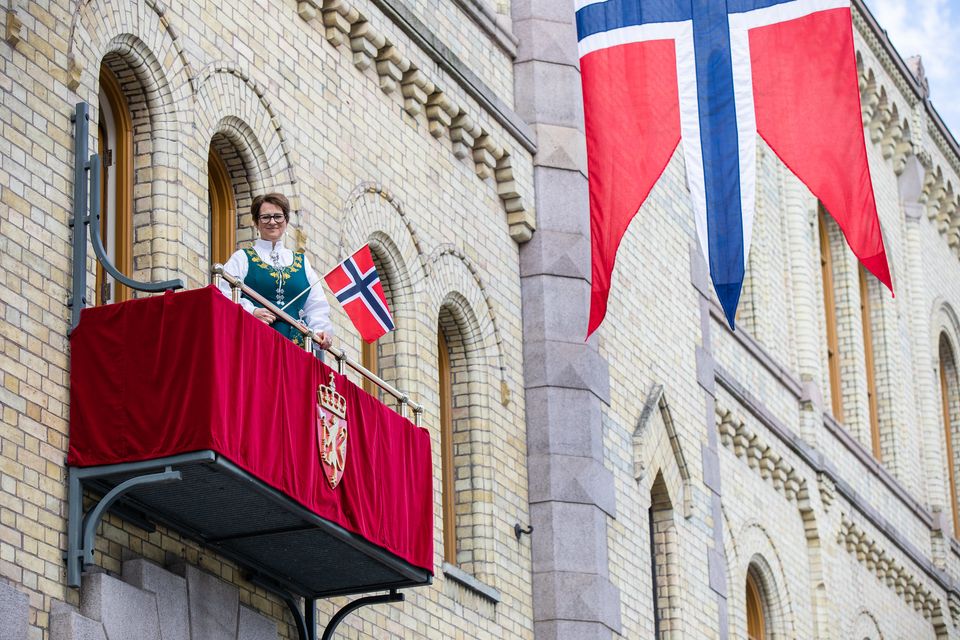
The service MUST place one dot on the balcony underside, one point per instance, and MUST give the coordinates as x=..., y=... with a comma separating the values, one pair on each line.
x=264, y=531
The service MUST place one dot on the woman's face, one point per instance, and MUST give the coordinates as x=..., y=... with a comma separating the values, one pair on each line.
x=271, y=223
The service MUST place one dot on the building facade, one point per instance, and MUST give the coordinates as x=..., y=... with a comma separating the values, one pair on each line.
x=793, y=479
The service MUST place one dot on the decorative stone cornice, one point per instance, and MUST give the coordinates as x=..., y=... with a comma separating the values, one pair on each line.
x=890, y=572
x=343, y=24
x=13, y=28
x=899, y=118
x=760, y=456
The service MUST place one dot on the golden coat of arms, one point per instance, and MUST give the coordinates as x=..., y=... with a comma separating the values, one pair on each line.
x=332, y=431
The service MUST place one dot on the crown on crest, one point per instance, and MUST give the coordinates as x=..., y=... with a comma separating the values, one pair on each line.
x=331, y=400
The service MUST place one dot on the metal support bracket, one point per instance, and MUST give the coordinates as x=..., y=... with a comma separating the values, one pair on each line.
x=306, y=620
x=82, y=527
x=87, y=187
x=393, y=596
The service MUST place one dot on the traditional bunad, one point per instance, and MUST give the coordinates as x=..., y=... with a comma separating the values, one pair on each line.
x=280, y=275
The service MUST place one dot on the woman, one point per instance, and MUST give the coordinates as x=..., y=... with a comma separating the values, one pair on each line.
x=279, y=275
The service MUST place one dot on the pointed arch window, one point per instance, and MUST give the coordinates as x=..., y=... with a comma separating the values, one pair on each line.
x=115, y=147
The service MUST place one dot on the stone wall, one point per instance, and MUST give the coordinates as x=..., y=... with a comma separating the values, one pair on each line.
x=380, y=128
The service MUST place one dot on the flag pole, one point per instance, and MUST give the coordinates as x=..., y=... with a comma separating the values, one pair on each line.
x=284, y=307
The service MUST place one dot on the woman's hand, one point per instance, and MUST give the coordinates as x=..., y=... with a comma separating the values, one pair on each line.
x=325, y=339
x=263, y=315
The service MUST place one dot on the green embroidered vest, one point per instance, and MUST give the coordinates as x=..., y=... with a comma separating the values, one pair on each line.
x=279, y=287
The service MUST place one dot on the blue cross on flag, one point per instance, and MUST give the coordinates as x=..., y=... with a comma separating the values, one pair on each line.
x=714, y=74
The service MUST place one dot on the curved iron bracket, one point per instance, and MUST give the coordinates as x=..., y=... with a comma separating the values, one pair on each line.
x=305, y=620
x=84, y=188
x=82, y=528
x=393, y=596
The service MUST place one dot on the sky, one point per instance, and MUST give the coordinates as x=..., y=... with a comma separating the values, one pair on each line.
x=930, y=28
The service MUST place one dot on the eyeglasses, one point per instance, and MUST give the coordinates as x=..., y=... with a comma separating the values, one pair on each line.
x=276, y=217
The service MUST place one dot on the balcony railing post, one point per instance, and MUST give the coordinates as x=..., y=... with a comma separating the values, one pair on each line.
x=235, y=292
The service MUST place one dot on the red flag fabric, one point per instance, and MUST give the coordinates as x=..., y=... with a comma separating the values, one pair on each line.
x=356, y=285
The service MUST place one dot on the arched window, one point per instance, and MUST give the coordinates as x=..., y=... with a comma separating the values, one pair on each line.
x=466, y=477
x=830, y=316
x=950, y=403
x=223, y=209
x=756, y=618
x=379, y=357
x=869, y=363
x=447, y=485
x=115, y=146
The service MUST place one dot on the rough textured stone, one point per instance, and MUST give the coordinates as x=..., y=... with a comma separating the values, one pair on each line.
x=564, y=422
x=14, y=612
x=557, y=253
x=255, y=626
x=67, y=624
x=577, y=596
x=572, y=365
x=124, y=610
x=571, y=479
x=171, y=595
x=562, y=207
x=563, y=304
x=213, y=606
x=555, y=550
x=571, y=630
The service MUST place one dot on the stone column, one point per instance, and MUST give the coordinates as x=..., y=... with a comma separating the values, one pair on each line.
x=806, y=302
x=926, y=387
x=567, y=382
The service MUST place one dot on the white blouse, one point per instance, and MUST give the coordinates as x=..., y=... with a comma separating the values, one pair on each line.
x=316, y=311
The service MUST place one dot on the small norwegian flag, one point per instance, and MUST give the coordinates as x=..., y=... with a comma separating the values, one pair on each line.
x=357, y=287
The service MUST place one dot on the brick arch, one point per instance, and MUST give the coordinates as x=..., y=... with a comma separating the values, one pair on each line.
x=372, y=214
x=371, y=207
x=757, y=553
x=473, y=460
x=865, y=627
x=156, y=154
x=946, y=340
x=247, y=168
x=96, y=23
x=443, y=262
x=224, y=89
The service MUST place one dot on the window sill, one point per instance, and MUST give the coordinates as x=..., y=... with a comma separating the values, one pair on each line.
x=466, y=580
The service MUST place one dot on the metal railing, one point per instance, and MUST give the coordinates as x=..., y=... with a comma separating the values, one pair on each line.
x=239, y=289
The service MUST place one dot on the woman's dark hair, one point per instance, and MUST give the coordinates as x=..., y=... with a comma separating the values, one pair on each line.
x=273, y=198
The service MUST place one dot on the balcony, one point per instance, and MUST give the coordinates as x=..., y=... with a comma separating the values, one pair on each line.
x=188, y=412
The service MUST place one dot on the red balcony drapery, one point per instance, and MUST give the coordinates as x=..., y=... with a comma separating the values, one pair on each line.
x=192, y=371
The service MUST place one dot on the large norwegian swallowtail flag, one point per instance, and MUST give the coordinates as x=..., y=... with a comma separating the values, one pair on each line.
x=715, y=73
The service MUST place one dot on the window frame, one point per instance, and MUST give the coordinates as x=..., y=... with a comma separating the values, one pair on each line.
x=830, y=317
x=121, y=215
x=448, y=486
x=222, y=209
